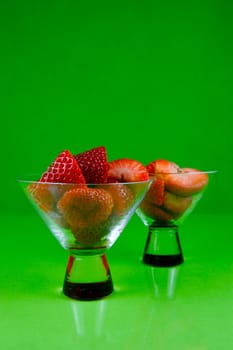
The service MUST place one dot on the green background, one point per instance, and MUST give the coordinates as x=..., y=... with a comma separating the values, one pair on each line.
x=147, y=79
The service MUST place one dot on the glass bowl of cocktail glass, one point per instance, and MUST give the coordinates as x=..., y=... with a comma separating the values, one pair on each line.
x=86, y=219
x=169, y=201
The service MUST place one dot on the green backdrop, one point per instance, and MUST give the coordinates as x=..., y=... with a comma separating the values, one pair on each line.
x=147, y=79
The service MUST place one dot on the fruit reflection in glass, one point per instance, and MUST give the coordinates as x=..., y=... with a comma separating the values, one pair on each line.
x=172, y=196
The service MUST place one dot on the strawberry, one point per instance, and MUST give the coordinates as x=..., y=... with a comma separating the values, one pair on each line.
x=154, y=212
x=48, y=190
x=92, y=234
x=127, y=170
x=122, y=197
x=64, y=169
x=155, y=193
x=162, y=166
x=59, y=220
x=42, y=195
x=94, y=165
x=84, y=207
x=188, y=182
x=176, y=204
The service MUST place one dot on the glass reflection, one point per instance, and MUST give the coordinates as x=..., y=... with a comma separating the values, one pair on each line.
x=119, y=323
x=88, y=321
x=164, y=281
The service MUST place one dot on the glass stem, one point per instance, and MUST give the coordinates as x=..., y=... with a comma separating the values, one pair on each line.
x=87, y=277
x=163, y=248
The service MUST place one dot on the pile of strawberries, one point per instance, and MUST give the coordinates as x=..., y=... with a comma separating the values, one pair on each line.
x=73, y=187
x=81, y=189
x=172, y=191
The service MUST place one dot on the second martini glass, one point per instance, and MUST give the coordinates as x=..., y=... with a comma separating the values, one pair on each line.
x=86, y=219
x=170, y=199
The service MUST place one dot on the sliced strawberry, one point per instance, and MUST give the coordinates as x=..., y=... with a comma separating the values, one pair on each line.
x=64, y=169
x=84, y=207
x=94, y=165
x=155, y=193
x=162, y=166
x=127, y=170
x=154, y=212
x=176, y=204
x=188, y=182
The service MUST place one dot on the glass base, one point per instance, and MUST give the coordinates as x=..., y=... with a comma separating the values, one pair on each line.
x=163, y=248
x=87, y=277
x=163, y=260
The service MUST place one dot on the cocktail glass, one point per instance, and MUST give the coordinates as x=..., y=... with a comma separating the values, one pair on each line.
x=163, y=211
x=86, y=220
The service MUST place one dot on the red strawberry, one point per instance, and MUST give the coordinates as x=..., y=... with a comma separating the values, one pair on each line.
x=154, y=212
x=156, y=192
x=162, y=166
x=127, y=170
x=64, y=169
x=122, y=197
x=188, y=182
x=94, y=165
x=84, y=207
x=42, y=195
x=92, y=234
x=176, y=204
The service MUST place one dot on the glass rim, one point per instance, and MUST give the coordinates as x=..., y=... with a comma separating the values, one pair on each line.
x=30, y=180
x=188, y=172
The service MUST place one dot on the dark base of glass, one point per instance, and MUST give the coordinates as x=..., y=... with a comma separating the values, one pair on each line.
x=163, y=248
x=88, y=291
x=163, y=260
x=87, y=277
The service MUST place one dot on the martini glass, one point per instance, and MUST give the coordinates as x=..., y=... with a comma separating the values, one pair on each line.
x=86, y=220
x=169, y=201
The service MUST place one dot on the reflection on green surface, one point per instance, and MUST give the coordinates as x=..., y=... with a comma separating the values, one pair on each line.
x=164, y=281
x=152, y=308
